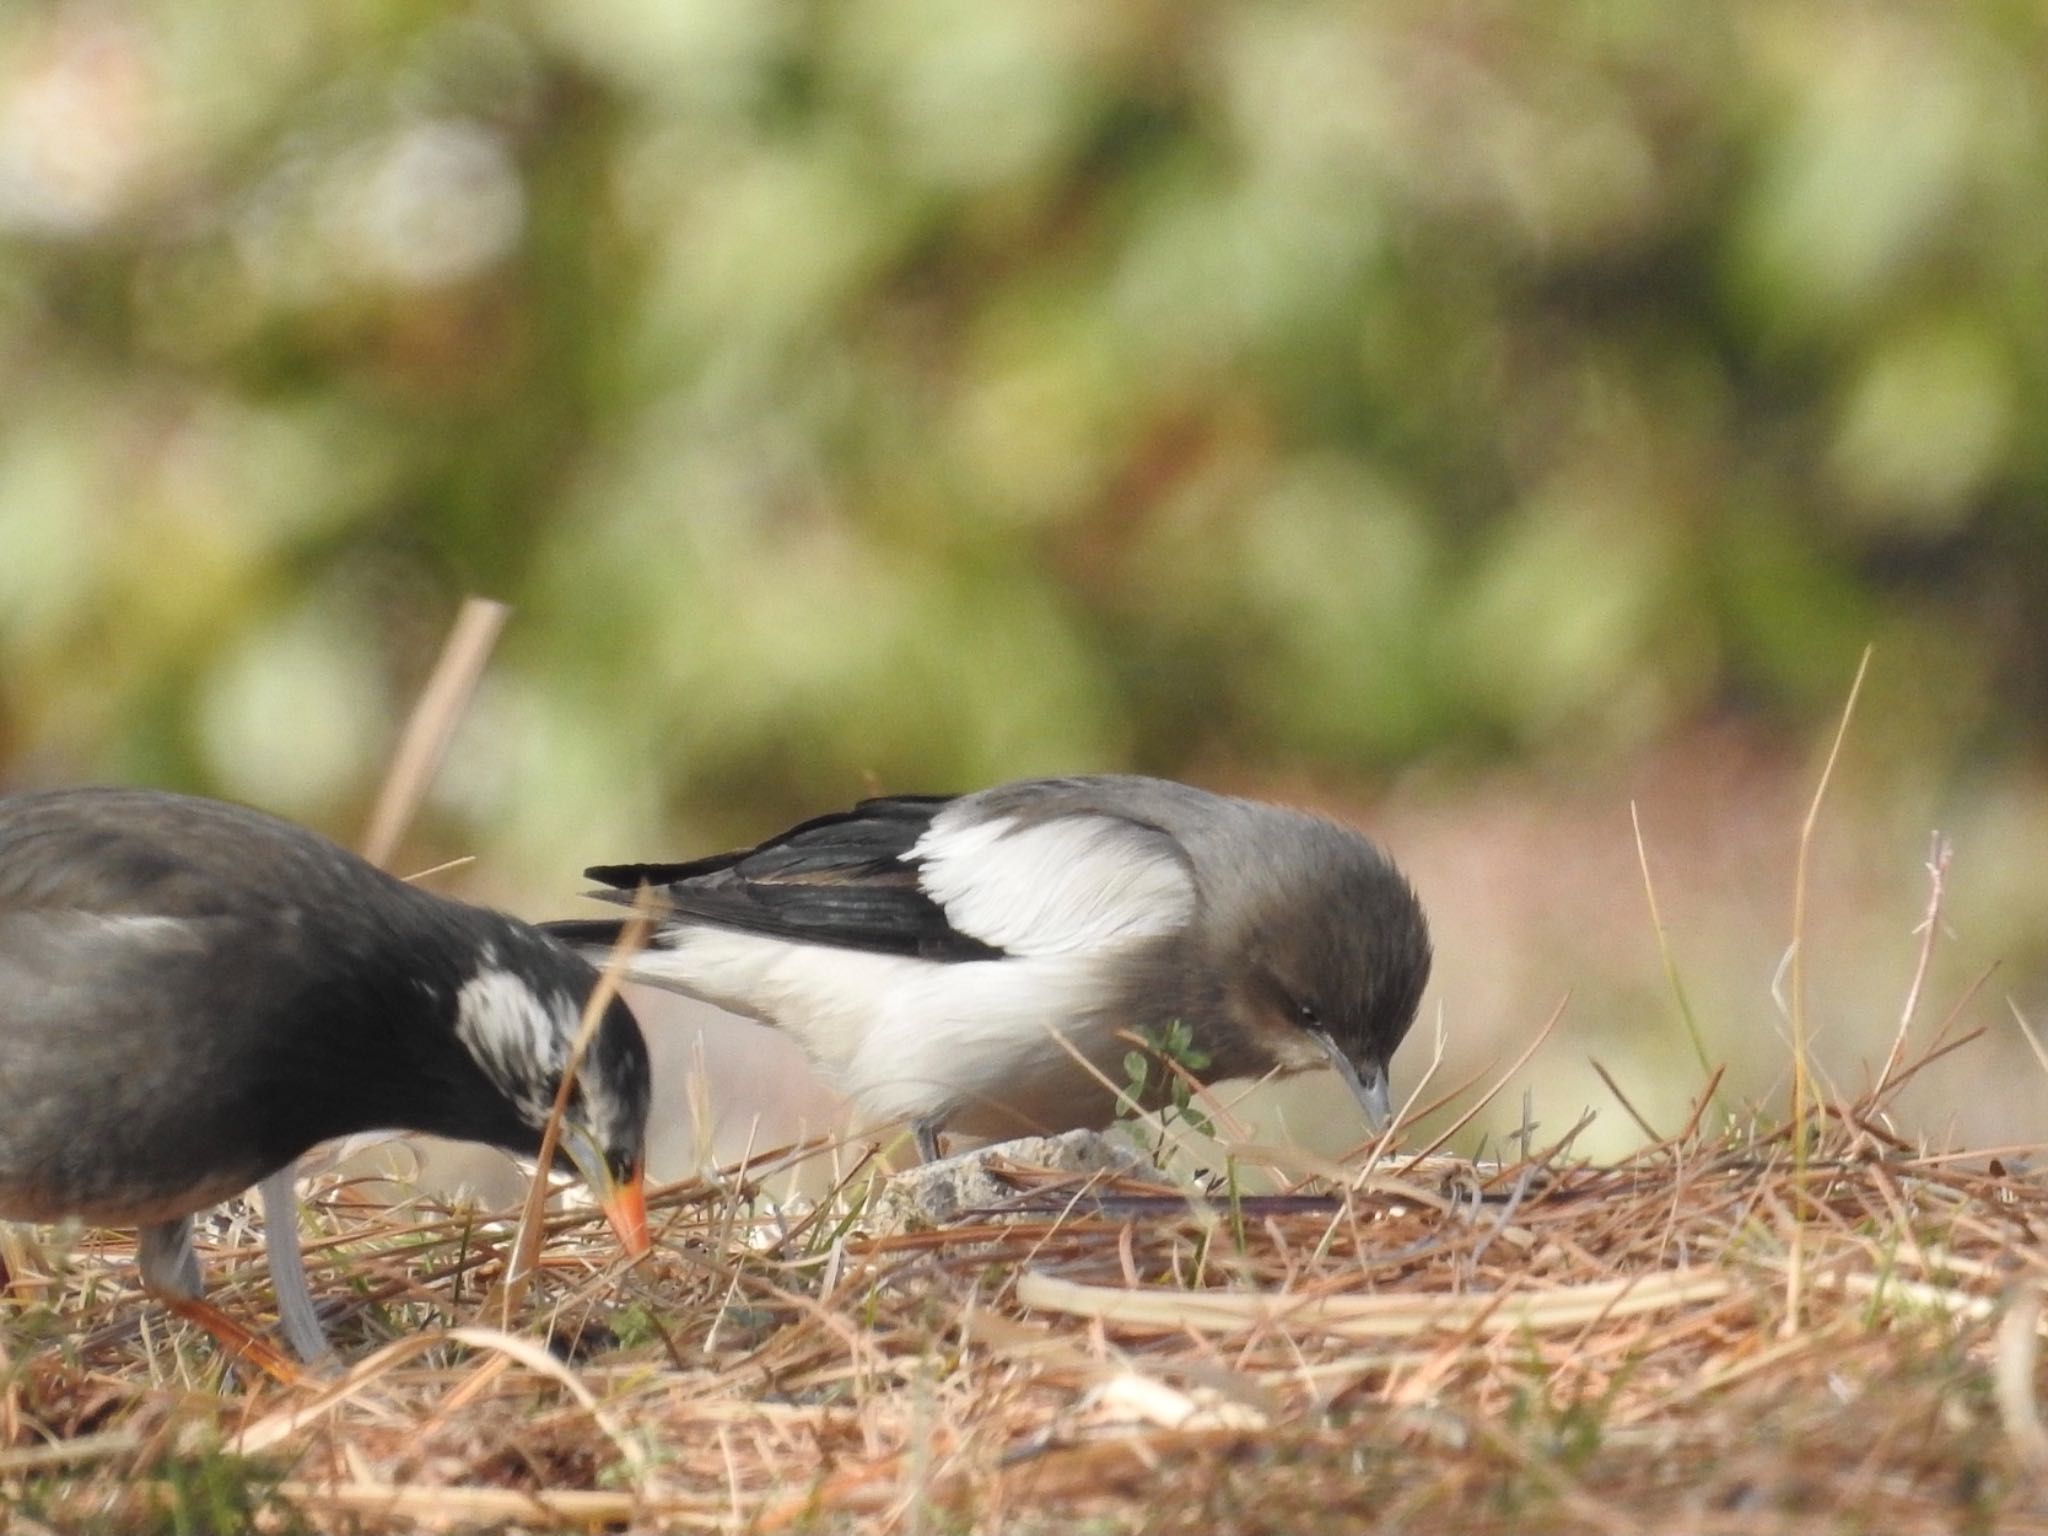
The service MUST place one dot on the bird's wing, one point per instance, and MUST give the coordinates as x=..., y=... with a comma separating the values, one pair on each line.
x=110, y=897
x=846, y=879
x=148, y=853
x=1054, y=867
x=76, y=867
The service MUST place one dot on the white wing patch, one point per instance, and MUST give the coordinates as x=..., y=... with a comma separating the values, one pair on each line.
x=1072, y=885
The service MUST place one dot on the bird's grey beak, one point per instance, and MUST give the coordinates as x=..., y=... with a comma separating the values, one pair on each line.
x=1369, y=1087
x=623, y=1201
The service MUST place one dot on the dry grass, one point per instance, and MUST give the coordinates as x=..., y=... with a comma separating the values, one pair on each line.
x=1439, y=1344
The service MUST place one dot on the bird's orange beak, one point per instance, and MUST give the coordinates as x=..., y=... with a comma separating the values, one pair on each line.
x=623, y=1201
x=625, y=1207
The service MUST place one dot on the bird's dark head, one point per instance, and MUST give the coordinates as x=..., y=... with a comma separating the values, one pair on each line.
x=1327, y=951
x=519, y=1016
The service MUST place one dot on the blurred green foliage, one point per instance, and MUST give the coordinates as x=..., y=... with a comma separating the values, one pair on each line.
x=928, y=391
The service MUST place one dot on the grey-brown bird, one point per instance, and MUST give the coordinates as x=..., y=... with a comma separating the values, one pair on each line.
x=193, y=994
x=943, y=959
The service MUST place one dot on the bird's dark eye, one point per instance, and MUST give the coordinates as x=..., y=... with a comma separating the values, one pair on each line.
x=1306, y=1016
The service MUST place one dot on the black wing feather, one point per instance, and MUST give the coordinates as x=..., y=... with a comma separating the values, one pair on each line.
x=845, y=879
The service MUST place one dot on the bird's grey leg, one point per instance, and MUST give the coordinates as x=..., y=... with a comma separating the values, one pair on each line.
x=169, y=1267
x=295, y=1311
x=170, y=1270
x=926, y=1130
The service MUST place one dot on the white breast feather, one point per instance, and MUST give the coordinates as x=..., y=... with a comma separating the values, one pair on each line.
x=1075, y=885
x=905, y=1037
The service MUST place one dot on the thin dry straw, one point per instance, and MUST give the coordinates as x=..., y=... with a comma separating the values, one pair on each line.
x=1634, y=1114
x=2019, y=1348
x=279, y=1427
x=1801, y=1068
x=430, y=730
x=1938, y=855
x=496, y=1508
x=532, y=1221
x=1376, y=1317
x=1443, y=1138
x=1671, y=976
x=423, y=745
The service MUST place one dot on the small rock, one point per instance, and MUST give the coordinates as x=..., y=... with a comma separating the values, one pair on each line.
x=938, y=1192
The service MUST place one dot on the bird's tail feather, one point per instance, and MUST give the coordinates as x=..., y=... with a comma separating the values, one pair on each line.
x=587, y=932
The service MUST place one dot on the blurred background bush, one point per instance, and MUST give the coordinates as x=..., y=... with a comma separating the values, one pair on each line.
x=1468, y=416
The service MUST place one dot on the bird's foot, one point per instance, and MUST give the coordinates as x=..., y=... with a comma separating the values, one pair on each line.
x=926, y=1133
x=240, y=1342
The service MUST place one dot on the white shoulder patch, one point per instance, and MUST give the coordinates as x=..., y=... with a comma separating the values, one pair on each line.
x=1064, y=886
x=519, y=1038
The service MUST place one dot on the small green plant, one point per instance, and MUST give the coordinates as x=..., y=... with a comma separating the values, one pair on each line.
x=634, y=1324
x=1151, y=1083
x=213, y=1491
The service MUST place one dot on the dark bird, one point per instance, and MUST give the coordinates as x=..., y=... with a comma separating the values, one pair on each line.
x=193, y=994
x=938, y=956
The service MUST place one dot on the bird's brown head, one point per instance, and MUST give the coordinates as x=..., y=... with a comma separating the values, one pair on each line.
x=1327, y=951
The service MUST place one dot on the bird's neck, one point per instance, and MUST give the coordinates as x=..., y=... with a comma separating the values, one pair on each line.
x=1170, y=983
x=388, y=1060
